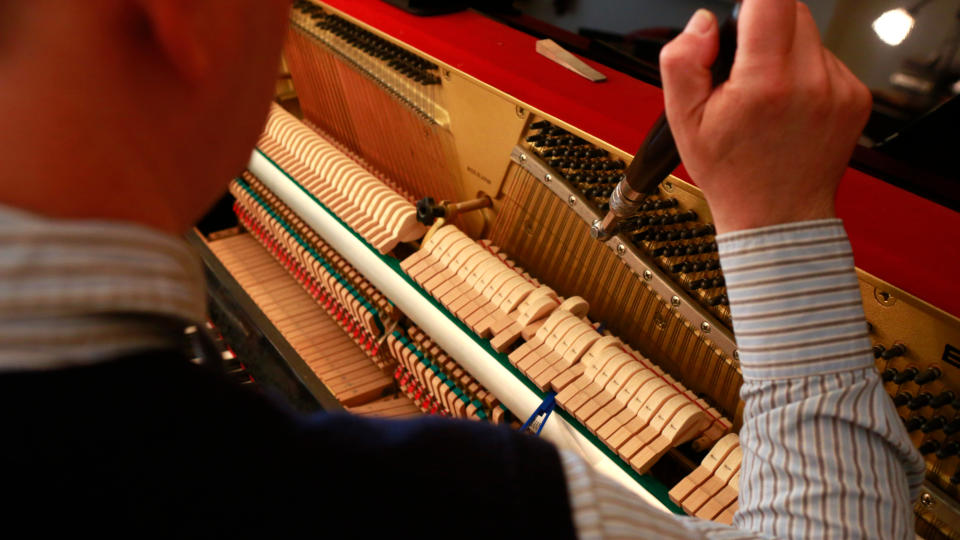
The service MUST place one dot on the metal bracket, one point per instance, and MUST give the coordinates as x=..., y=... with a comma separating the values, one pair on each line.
x=937, y=504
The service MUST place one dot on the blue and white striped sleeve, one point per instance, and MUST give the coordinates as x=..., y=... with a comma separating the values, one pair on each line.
x=824, y=453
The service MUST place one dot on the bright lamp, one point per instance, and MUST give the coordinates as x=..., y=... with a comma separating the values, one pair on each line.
x=894, y=26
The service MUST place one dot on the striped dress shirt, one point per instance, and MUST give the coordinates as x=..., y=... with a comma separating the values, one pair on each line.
x=825, y=454
x=76, y=292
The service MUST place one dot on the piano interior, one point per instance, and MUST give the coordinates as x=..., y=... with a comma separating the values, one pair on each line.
x=348, y=254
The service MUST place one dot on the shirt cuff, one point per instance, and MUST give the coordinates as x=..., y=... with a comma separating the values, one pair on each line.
x=795, y=300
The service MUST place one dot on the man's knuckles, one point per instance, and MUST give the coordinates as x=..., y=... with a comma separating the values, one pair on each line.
x=860, y=101
x=680, y=54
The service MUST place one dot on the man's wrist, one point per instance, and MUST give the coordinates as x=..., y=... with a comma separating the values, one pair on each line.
x=795, y=299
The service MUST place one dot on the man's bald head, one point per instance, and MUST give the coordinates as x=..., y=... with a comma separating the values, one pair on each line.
x=132, y=109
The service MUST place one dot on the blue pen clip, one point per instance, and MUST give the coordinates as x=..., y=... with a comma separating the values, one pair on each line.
x=545, y=408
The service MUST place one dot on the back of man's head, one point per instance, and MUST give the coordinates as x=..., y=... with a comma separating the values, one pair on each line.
x=136, y=110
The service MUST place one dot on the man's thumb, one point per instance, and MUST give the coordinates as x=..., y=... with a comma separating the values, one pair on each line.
x=685, y=68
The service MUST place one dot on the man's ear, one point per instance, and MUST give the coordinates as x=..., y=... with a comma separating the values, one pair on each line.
x=178, y=30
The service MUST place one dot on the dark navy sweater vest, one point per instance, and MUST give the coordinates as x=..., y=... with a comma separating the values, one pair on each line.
x=155, y=446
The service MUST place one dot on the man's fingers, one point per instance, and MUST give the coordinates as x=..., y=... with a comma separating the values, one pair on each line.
x=807, y=51
x=685, y=67
x=765, y=31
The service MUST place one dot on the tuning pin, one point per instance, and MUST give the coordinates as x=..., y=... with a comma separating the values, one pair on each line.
x=948, y=450
x=878, y=350
x=720, y=300
x=934, y=424
x=671, y=203
x=897, y=350
x=955, y=479
x=914, y=423
x=942, y=399
x=931, y=374
x=929, y=446
x=906, y=375
x=920, y=401
x=888, y=374
x=902, y=399
x=952, y=426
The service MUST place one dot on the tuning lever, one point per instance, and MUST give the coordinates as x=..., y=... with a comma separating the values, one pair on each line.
x=658, y=156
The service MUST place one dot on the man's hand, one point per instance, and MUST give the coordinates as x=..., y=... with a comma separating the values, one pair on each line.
x=771, y=144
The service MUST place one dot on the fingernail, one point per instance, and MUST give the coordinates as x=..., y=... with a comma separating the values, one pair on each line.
x=700, y=22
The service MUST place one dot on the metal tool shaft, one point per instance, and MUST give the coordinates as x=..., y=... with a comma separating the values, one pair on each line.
x=658, y=155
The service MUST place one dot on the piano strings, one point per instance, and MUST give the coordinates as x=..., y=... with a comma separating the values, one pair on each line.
x=545, y=237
